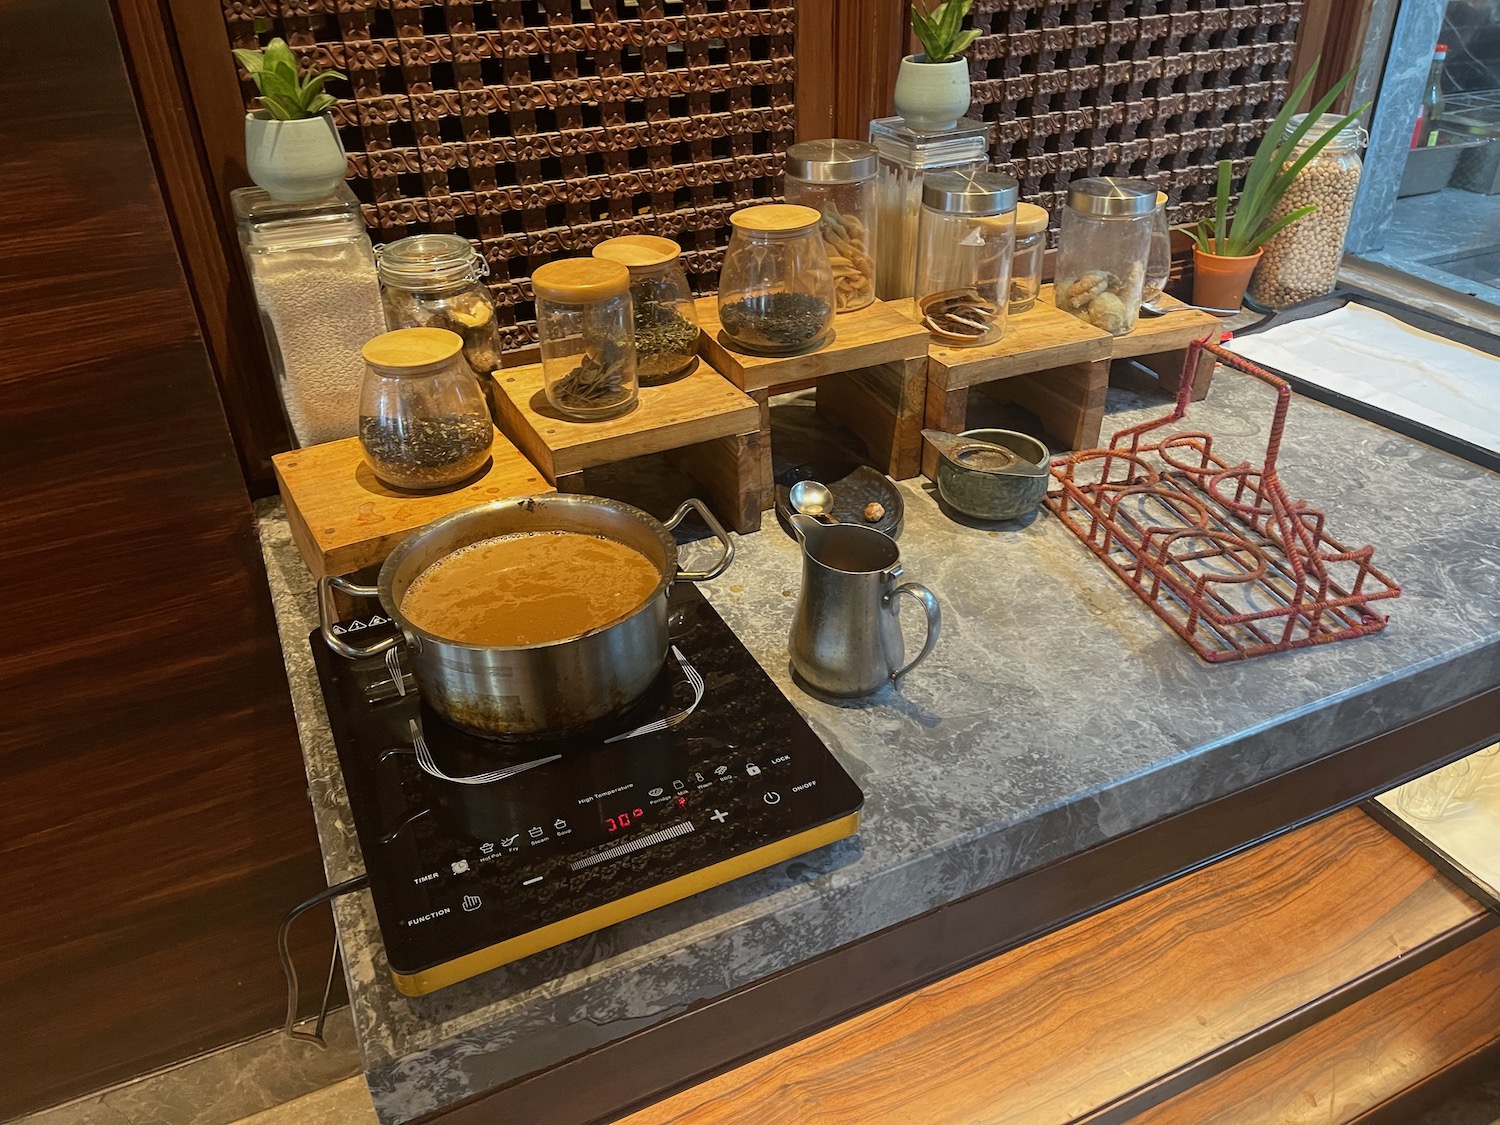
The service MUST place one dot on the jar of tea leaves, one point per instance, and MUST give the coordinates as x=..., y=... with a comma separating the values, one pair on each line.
x=587, y=338
x=666, y=324
x=423, y=421
x=436, y=281
x=837, y=178
x=776, y=293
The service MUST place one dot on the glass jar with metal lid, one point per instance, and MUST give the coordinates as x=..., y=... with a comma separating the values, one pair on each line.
x=666, y=324
x=1101, y=251
x=964, y=247
x=437, y=281
x=837, y=179
x=1301, y=261
x=423, y=422
x=587, y=338
x=776, y=285
x=1026, y=262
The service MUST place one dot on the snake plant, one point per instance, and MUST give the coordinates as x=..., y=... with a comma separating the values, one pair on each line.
x=941, y=31
x=283, y=94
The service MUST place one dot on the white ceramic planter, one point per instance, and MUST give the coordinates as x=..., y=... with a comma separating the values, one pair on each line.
x=294, y=160
x=932, y=96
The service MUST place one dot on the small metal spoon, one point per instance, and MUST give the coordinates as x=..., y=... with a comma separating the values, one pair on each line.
x=1150, y=308
x=812, y=498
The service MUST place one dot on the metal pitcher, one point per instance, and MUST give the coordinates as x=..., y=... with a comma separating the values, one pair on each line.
x=846, y=639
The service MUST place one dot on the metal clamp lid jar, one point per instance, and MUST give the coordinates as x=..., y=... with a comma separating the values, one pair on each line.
x=1102, y=249
x=436, y=281
x=587, y=338
x=423, y=421
x=666, y=322
x=837, y=178
x=776, y=293
x=964, y=247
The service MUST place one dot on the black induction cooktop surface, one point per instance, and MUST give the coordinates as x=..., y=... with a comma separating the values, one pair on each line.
x=456, y=868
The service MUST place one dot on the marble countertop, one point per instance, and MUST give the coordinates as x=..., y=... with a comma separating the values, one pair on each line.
x=1055, y=713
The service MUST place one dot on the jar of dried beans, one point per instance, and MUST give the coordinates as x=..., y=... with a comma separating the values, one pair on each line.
x=964, y=247
x=1102, y=251
x=776, y=285
x=437, y=281
x=587, y=338
x=1302, y=260
x=666, y=324
x=837, y=179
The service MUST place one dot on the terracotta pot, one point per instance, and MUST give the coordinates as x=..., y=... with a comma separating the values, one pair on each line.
x=294, y=160
x=932, y=96
x=1219, y=282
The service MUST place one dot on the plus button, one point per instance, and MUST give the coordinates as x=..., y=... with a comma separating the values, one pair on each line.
x=721, y=817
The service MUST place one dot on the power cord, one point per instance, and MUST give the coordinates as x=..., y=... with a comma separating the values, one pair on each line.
x=328, y=894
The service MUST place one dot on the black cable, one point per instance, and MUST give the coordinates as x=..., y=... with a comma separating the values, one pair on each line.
x=328, y=894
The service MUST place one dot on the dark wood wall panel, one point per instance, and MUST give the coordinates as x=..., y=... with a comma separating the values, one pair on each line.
x=155, y=824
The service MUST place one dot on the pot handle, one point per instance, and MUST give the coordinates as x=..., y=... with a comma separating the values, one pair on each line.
x=696, y=505
x=326, y=585
x=934, y=621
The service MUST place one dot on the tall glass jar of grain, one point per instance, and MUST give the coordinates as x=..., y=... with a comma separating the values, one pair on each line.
x=1102, y=249
x=423, y=422
x=661, y=301
x=584, y=326
x=437, y=281
x=837, y=179
x=1302, y=261
x=776, y=284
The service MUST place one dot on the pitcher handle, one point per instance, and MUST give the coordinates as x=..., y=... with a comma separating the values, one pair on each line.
x=696, y=505
x=934, y=621
x=326, y=585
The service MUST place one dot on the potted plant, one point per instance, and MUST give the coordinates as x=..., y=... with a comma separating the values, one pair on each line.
x=1226, y=249
x=292, y=149
x=932, y=88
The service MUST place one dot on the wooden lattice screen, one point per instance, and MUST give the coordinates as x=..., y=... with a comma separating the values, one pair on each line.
x=1160, y=89
x=541, y=127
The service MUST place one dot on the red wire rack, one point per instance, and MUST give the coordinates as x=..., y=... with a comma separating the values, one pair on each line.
x=1219, y=552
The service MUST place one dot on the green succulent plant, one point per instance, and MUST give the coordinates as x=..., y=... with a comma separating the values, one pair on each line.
x=940, y=30
x=283, y=94
x=1270, y=174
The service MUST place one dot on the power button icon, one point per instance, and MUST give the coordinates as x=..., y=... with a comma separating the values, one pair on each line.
x=771, y=798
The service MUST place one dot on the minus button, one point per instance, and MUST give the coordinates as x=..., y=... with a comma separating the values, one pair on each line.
x=533, y=879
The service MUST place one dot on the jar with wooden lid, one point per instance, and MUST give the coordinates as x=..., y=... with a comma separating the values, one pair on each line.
x=1102, y=249
x=437, y=281
x=423, y=421
x=666, y=323
x=1159, y=257
x=587, y=338
x=776, y=292
x=837, y=179
x=1026, y=261
x=964, y=248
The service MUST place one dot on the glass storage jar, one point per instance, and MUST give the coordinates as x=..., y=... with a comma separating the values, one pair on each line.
x=1159, y=257
x=964, y=248
x=436, y=281
x=423, y=421
x=776, y=285
x=1302, y=261
x=666, y=324
x=313, y=274
x=837, y=179
x=584, y=327
x=1101, y=251
x=1026, y=262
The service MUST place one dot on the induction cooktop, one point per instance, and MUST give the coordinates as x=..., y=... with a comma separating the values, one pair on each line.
x=481, y=852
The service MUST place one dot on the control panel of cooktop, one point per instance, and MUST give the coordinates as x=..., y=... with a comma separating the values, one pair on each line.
x=597, y=831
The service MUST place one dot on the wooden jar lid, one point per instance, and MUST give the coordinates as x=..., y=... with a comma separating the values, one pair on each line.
x=775, y=218
x=575, y=281
x=1030, y=219
x=410, y=351
x=638, y=251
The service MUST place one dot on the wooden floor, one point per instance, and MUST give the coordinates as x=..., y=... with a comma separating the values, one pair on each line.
x=1229, y=995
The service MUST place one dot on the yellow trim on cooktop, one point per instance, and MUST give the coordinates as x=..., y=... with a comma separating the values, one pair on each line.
x=555, y=933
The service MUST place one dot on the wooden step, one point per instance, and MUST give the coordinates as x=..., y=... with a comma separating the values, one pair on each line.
x=1092, y=1018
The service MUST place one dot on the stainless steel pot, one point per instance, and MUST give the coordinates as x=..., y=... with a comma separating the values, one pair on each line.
x=512, y=691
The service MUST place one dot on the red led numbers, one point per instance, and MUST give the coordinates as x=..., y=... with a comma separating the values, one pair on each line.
x=623, y=819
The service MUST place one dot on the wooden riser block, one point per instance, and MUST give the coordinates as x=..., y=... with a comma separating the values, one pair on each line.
x=867, y=337
x=710, y=427
x=1091, y=1019
x=342, y=518
x=884, y=405
x=1039, y=339
x=1163, y=373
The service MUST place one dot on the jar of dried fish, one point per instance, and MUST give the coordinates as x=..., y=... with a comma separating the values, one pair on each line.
x=583, y=319
x=437, y=281
x=776, y=285
x=423, y=421
x=837, y=179
x=1102, y=249
x=1026, y=262
x=666, y=324
x=964, y=247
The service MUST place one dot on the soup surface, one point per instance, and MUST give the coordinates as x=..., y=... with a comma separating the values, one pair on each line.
x=529, y=588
